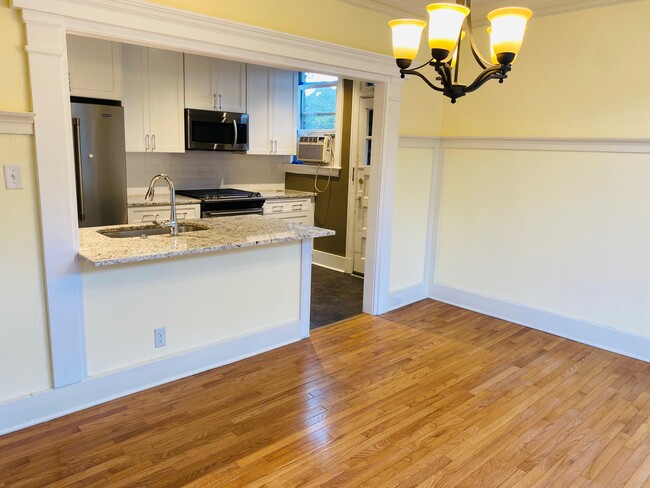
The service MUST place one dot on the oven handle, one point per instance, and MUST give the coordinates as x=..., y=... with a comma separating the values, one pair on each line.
x=226, y=213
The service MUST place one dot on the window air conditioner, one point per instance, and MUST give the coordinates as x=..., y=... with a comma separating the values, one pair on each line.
x=315, y=149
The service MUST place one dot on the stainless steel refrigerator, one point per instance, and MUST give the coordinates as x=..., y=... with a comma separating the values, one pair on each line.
x=100, y=163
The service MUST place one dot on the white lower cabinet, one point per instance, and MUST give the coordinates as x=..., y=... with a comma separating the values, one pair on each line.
x=291, y=210
x=159, y=213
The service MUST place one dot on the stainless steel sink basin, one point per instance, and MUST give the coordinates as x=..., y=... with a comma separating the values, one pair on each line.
x=150, y=231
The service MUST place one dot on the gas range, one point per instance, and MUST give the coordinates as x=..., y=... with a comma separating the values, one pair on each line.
x=221, y=202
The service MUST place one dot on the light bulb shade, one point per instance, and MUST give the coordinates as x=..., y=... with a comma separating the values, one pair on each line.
x=493, y=55
x=508, y=28
x=445, y=22
x=406, y=37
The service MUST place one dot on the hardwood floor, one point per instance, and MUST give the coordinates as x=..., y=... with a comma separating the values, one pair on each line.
x=427, y=396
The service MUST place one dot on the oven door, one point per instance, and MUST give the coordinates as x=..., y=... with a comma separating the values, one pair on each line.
x=215, y=131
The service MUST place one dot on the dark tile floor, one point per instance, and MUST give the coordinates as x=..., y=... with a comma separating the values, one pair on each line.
x=334, y=296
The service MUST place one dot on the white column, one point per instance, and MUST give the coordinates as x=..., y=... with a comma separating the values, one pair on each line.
x=305, y=287
x=46, y=47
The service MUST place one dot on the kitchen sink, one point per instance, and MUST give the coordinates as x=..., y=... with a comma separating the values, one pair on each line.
x=150, y=231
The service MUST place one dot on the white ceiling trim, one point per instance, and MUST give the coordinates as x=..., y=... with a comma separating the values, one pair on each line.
x=417, y=8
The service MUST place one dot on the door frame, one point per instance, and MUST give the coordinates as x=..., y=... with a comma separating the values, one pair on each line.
x=358, y=93
x=139, y=22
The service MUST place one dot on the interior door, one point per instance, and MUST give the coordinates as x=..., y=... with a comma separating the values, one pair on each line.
x=361, y=177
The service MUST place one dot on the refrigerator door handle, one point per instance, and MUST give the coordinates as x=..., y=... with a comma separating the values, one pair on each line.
x=76, y=124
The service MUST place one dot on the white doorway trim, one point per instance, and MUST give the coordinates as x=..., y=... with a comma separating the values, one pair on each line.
x=138, y=22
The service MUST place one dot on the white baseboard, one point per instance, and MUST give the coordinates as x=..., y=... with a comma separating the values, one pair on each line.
x=583, y=331
x=40, y=407
x=406, y=296
x=332, y=261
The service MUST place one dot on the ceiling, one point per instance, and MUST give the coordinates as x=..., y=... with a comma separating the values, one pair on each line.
x=417, y=8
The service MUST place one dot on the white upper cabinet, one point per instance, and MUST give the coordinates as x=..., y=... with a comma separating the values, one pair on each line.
x=95, y=68
x=272, y=110
x=153, y=100
x=215, y=84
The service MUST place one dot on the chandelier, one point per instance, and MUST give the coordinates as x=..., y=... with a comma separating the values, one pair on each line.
x=445, y=36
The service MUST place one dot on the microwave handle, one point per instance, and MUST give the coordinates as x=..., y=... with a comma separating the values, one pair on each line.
x=234, y=123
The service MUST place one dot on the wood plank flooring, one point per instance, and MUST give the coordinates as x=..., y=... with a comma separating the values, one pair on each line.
x=428, y=396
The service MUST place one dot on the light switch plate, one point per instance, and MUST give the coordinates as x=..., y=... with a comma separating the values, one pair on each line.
x=13, y=178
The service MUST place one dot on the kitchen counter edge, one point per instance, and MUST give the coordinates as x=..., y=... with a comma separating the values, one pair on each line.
x=220, y=235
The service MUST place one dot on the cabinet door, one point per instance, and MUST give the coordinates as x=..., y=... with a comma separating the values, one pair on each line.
x=135, y=98
x=200, y=84
x=231, y=85
x=166, y=101
x=259, y=129
x=95, y=68
x=284, y=111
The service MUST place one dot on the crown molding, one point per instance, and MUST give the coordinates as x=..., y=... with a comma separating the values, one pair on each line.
x=416, y=9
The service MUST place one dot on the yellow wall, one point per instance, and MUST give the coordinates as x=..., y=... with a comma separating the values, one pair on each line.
x=579, y=74
x=24, y=345
x=14, y=79
x=565, y=232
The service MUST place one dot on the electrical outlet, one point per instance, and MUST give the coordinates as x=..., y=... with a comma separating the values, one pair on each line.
x=160, y=337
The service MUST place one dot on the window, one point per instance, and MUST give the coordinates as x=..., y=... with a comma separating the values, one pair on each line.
x=317, y=101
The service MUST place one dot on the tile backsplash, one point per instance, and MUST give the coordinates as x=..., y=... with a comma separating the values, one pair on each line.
x=203, y=169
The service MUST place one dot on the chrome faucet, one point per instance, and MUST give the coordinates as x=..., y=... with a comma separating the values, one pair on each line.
x=172, y=223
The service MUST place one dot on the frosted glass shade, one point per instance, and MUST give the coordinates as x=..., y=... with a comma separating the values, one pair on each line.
x=454, y=57
x=445, y=22
x=508, y=28
x=406, y=37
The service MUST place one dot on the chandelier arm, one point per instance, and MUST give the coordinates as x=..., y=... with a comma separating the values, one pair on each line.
x=492, y=73
x=423, y=65
x=472, y=44
x=445, y=73
x=420, y=75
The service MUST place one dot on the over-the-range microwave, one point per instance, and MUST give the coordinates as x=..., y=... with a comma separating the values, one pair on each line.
x=210, y=130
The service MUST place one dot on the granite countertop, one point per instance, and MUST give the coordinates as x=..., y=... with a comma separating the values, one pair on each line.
x=162, y=199
x=270, y=194
x=220, y=234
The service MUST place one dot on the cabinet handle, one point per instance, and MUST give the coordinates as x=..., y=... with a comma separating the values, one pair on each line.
x=153, y=142
x=214, y=101
x=276, y=208
x=275, y=151
x=220, y=106
x=297, y=206
x=271, y=144
x=146, y=142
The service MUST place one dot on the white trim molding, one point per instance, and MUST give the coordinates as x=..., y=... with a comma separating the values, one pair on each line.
x=21, y=123
x=50, y=404
x=409, y=295
x=583, y=331
x=332, y=261
x=639, y=146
